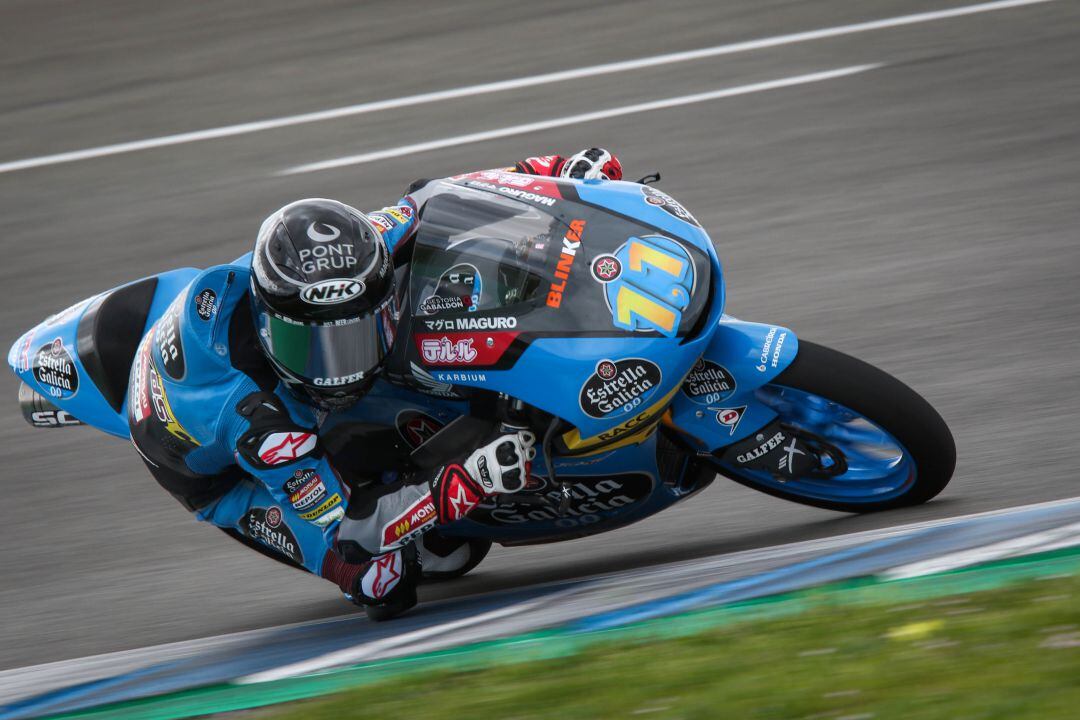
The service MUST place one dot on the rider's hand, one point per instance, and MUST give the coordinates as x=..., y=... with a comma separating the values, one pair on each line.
x=592, y=163
x=502, y=466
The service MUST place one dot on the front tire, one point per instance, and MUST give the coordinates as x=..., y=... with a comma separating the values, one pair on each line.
x=917, y=451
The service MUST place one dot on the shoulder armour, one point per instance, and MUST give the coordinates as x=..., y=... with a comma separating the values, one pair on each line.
x=190, y=340
x=273, y=437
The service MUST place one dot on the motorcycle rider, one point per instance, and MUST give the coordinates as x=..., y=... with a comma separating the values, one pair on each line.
x=229, y=386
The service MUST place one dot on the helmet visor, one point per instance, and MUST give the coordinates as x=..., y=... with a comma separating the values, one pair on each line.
x=336, y=355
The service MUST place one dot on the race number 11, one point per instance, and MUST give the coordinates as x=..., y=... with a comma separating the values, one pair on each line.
x=654, y=289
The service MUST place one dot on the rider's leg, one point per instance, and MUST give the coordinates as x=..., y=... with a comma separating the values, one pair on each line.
x=250, y=511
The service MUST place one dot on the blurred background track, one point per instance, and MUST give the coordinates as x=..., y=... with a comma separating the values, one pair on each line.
x=922, y=216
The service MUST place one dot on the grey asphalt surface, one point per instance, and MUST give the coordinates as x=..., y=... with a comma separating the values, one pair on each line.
x=923, y=216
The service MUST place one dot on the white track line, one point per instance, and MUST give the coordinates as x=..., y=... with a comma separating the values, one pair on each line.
x=355, y=654
x=575, y=119
x=1053, y=538
x=512, y=84
x=16, y=682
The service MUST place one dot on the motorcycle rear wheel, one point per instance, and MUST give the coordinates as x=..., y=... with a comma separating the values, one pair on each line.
x=898, y=450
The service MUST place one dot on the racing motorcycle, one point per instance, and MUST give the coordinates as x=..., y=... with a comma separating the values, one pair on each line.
x=591, y=312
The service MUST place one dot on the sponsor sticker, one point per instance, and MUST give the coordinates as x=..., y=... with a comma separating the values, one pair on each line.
x=330, y=517
x=299, y=479
x=619, y=386
x=167, y=340
x=571, y=243
x=24, y=351
x=410, y=522
x=636, y=428
x=328, y=255
x=53, y=418
x=507, y=322
x=592, y=499
x=267, y=526
x=305, y=488
x=708, y=383
x=461, y=377
x=730, y=417
x=660, y=199
x=55, y=370
x=606, y=268
x=381, y=221
x=459, y=288
x=205, y=303
x=463, y=348
x=331, y=292
x=416, y=427
x=770, y=354
x=332, y=502
x=763, y=447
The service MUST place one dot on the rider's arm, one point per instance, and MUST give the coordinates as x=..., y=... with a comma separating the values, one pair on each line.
x=285, y=454
x=589, y=163
x=395, y=222
x=387, y=516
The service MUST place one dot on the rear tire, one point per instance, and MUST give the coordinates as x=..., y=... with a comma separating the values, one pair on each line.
x=884, y=401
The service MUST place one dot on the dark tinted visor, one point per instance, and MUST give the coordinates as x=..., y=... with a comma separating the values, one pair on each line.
x=327, y=356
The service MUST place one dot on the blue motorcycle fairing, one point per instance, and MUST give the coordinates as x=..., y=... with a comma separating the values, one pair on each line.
x=552, y=373
x=86, y=401
x=611, y=490
x=717, y=405
x=576, y=372
x=650, y=205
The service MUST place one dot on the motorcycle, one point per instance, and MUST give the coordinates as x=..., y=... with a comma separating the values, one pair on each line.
x=591, y=312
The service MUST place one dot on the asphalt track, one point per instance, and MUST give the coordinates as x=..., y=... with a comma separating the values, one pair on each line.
x=922, y=215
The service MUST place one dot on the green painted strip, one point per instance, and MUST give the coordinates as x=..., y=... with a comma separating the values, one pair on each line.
x=554, y=643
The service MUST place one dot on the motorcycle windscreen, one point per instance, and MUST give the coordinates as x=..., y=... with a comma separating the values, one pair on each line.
x=554, y=268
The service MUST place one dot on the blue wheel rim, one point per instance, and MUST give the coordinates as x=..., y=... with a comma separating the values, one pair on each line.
x=879, y=467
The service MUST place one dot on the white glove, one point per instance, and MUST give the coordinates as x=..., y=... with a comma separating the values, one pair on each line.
x=592, y=163
x=502, y=466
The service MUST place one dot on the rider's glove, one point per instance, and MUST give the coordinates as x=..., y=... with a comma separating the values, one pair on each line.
x=502, y=466
x=592, y=163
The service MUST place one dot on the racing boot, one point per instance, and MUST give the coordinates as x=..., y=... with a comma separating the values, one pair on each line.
x=387, y=586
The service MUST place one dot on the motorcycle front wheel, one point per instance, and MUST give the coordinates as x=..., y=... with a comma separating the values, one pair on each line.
x=896, y=449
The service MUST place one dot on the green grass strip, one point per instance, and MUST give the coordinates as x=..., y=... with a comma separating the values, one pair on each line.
x=862, y=597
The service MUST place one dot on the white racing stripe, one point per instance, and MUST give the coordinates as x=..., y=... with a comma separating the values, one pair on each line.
x=20, y=682
x=576, y=119
x=512, y=84
x=357, y=653
x=1059, y=537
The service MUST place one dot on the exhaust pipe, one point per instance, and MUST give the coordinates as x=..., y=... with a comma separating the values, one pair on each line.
x=40, y=412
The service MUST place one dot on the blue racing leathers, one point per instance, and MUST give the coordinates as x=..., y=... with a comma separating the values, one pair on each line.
x=221, y=433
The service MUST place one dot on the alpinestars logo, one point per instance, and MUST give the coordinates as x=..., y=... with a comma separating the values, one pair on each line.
x=459, y=501
x=280, y=448
x=458, y=493
x=381, y=577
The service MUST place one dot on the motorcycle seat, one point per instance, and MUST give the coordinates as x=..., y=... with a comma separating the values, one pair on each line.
x=109, y=334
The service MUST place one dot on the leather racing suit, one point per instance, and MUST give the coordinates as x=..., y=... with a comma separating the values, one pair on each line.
x=219, y=431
